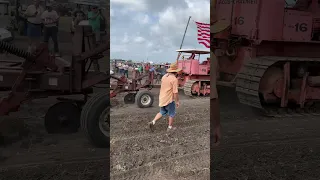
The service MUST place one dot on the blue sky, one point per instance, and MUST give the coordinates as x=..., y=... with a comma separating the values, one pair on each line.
x=153, y=29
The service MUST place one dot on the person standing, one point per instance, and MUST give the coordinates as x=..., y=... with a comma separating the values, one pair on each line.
x=34, y=30
x=50, y=20
x=168, y=97
x=147, y=67
x=94, y=18
x=126, y=70
x=216, y=26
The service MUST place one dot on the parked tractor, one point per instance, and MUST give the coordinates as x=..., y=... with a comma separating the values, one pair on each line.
x=195, y=76
x=269, y=51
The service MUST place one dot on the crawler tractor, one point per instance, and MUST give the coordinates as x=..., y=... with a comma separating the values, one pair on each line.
x=269, y=51
x=195, y=77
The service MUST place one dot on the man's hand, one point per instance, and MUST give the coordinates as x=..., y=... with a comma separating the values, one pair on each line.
x=217, y=135
x=178, y=104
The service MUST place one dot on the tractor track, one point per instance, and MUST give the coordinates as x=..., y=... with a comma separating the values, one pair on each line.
x=248, y=81
x=190, y=162
x=187, y=89
x=157, y=137
x=140, y=157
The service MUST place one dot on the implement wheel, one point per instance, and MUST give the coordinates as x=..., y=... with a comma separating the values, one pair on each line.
x=95, y=119
x=144, y=99
x=129, y=98
x=63, y=117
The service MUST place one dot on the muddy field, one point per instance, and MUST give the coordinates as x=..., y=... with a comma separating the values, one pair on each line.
x=253, y=147
x=43, y=156
x=136, y=153
x=261, y=148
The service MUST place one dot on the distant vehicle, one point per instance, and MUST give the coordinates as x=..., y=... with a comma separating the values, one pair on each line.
x=195, y=77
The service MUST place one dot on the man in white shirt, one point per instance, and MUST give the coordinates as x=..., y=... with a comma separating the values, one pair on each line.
x=34, y=31
x=120, y=68
x=50, y=19
x=126, y=70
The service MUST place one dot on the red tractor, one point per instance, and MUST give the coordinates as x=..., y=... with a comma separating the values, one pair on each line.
x=269, y=52
x=195, y=77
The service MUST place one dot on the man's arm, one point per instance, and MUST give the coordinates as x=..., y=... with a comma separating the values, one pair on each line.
x=28, y=12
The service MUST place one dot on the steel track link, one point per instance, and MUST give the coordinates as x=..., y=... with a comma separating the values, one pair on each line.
x=187, y=89
x=248, y=79
x=200, y=159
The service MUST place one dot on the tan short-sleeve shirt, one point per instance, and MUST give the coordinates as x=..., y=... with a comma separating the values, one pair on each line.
x=169, y=86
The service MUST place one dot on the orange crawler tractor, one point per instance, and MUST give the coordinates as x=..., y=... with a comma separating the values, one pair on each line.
x=269, y=50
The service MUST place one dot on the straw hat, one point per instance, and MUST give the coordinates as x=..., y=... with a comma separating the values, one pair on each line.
x=173, y=68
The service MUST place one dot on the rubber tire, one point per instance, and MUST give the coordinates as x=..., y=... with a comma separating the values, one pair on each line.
x=133, y=98
x=90, y=115
x=71, y=109
x=139, y=96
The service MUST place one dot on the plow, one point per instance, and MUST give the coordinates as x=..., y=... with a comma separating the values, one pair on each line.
x=41, y=75
x=272, y=64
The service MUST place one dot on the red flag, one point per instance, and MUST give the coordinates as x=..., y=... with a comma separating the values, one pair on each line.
x=203, y=34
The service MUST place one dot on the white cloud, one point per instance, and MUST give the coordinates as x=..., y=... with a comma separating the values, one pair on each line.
x=139, y=39
x=157, y=29
x=125, y=38
x=132, y=5
x=142, y=19
x=111, y=13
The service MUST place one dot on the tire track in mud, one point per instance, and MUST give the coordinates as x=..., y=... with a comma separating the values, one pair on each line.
x=176, y=166
x=139, y=130
x=204, y=128
x=64, y=162
x=169, y=150
x=271, y=142
x=118, y=119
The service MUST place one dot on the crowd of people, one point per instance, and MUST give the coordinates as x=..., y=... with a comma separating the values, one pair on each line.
x=123, y=69
x=44, y=23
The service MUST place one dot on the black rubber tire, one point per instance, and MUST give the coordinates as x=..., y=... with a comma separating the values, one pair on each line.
x=67, y=109
x=139, y=96
x=90, y=115
x=130, y=98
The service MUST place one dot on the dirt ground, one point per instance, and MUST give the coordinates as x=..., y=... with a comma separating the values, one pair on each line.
x=43, y=156
x=136, y=153
x=254, y=147
x=261, y=148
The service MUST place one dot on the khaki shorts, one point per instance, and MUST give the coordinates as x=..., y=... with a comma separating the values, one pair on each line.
x=213, y=76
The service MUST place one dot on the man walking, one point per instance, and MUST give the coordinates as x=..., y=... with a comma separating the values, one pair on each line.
x=50, y=20
x=168, y=97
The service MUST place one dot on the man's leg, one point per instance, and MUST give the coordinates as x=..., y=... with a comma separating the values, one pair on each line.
x=214, y=102
x=29, y=34
x=46, y=35
x=54, y=36
x=172, y=113
x=163, y=112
